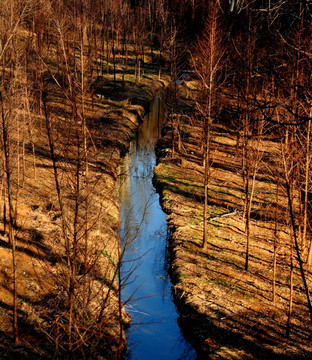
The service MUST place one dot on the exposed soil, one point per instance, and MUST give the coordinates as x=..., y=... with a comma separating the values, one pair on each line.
x=111, y=122
x=227, y=312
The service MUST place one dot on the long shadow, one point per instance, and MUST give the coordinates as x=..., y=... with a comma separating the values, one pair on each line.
x=8, y=351
x=254, y=293
x=222, y=337
x=233, y=264
x=104, y=166
x=135, y=94
x=231, y=227
x=33, y=336
x=195, y=321
x=35, y=241
x=224, y=261
x=36, y=237
x=231, y=167
x=241, y=289
x=251, y=324
x=23, y=250
x=224, y=149
x=44, y=153
x=193, y=192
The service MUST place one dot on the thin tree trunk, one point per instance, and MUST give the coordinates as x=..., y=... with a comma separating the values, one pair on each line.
x=4, y=211
x=11, y=222
x=291, y=292
x=306, y=192
x=303, y=277
x=275, y=245
x=249, y=198
x=206, y=183
x=211, y=88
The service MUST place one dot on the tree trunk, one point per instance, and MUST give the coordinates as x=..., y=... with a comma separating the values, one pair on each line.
x=275, y=244
x=291, y=291
x=292, y=216
x=8, y=171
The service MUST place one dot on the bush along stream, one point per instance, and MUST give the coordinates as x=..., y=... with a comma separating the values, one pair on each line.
x=146, y=288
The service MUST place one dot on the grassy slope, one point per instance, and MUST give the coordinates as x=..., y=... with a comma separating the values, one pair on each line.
x=227, y=312
x=112, y=119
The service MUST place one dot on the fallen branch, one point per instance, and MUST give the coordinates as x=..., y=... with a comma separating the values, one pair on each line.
x=223, y=215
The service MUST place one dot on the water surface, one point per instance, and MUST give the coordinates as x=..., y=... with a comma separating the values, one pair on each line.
x=154, y=333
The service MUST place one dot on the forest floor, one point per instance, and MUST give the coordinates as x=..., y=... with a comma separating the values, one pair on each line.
x=114, y=111
x=225, y=311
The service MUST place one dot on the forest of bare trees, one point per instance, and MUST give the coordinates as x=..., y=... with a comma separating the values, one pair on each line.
x=252, y=61
x=254, y=68
x=52, y=55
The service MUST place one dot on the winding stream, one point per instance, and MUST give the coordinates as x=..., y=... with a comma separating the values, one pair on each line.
x=154, y=332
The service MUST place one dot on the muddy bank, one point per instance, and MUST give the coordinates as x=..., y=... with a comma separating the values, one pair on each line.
x=227, y=312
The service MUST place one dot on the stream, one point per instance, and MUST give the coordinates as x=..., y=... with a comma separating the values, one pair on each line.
x=146, y=288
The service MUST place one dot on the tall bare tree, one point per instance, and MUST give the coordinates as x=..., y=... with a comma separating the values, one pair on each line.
x=210, y=61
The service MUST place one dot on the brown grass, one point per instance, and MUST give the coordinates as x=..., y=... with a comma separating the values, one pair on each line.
x=111, y=119
x=227, y=312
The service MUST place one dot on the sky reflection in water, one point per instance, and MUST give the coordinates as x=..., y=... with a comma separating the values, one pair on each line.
x=154, y=333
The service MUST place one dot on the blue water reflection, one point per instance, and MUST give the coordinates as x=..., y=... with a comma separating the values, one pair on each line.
x=154, y=333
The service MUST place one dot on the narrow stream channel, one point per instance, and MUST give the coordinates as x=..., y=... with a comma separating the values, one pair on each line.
x=154, y=333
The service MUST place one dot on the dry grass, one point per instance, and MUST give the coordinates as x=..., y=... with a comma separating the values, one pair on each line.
x=112, y=117
x=227, y=312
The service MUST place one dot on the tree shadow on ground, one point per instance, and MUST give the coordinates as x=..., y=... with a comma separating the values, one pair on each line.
x=216, y=339
x=29, y=346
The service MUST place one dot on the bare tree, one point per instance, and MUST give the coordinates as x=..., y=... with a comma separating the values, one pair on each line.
x=289, y=170
x=12, y=16
x=210, y=62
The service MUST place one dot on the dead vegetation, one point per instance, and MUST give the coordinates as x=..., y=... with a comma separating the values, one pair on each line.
x=39, y=246
x=66, y=127
x=226, y=311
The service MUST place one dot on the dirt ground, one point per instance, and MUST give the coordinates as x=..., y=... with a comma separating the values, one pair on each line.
x=225, y=311
x=113, y=117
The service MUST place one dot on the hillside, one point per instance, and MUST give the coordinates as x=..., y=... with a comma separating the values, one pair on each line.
x=68, y=113
x=226, y=311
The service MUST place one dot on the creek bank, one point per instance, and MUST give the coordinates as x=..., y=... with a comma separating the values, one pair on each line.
x=116, y=131
x=40, y=252
x=154, y=332
x=226, y=312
